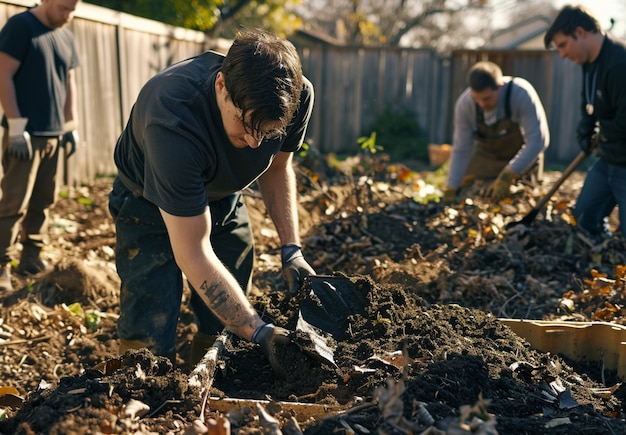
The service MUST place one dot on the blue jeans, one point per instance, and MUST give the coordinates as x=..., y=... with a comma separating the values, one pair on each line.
x=151, y=282
x=604, y=188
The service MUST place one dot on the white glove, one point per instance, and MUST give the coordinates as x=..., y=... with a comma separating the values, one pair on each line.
x=20, y=145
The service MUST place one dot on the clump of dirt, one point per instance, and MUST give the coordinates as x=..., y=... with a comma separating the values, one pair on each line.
x=72, y=281
x=111, y=401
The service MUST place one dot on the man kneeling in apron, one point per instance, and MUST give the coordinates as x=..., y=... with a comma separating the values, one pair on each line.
x=500, y=132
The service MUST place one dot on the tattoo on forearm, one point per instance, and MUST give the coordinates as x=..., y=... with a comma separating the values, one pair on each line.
x=219, y=302
x=216, y=298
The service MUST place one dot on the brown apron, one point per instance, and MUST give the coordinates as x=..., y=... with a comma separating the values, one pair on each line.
x=496, y=145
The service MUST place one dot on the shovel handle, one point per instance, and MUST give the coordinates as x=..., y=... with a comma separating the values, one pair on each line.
x=530, y=217
x=566, y=173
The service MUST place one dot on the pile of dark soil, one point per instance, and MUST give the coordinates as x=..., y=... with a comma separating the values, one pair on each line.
x=426, y=354
x=403, y=367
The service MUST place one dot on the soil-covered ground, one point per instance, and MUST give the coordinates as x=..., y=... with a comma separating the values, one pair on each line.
x=409, y=305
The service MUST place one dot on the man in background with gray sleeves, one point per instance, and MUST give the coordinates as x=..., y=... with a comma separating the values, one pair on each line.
x=500, y=131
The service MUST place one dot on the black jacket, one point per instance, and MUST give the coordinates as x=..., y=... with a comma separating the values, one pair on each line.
x=609, y=99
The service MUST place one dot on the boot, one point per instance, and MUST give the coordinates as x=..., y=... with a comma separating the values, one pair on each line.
x=5, y=278
x=199, y=346
x=30, y=262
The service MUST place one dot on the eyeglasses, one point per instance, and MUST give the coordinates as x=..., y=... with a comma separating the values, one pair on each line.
x=271, y=133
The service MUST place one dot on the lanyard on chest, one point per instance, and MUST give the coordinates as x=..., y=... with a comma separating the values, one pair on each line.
x=590, y=90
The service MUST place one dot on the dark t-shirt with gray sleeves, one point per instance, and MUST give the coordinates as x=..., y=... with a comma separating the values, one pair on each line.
x=174, y=151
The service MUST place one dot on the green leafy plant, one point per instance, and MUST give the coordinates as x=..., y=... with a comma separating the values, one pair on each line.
x=368, y=143
x=92, y=317
x=304, y=150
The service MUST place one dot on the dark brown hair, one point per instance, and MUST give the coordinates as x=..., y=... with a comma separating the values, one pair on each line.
x=484, y=75
x=568, y=19
x=263, y=77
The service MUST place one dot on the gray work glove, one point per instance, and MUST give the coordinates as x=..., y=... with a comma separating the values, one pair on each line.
x=268, y=336
x=295, y=267
x=69, y=139
x=20, y=145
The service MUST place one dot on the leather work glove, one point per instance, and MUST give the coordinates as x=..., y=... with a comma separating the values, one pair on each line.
x=585, y=133
x=69, y=138
x=449, y=195
x=268, y=336
x=295, y=267
x=499, y=189
x=20, y=145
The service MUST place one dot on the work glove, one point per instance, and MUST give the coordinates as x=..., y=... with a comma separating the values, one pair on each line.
x=499, y=189
x=20, y=145
x=268, y=336
x=295, y=267
x=68, y=141
x=585, y=133
x=69, y=138
x=449, y=195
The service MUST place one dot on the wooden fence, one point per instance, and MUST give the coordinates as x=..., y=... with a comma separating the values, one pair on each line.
x=354, y=85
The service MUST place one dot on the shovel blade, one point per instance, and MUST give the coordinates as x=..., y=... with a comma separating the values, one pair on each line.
x=525, y=221
x=331, y=301
x=317, y=343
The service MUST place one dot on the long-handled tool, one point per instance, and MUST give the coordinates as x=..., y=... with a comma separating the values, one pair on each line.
x=530, y=217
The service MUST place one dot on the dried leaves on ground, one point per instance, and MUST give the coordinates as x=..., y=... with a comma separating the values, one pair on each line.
x=427, y=354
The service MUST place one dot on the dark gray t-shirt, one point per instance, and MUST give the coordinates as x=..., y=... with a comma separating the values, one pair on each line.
x=46, y=55
x=174, y=151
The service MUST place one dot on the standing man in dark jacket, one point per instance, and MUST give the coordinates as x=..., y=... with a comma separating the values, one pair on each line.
x=199, y=132
x=37, y=91
x=577, y=35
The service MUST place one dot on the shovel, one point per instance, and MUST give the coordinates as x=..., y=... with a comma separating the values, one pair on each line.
x=324, y=314
x=330, y=302
x=530, y=217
